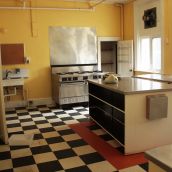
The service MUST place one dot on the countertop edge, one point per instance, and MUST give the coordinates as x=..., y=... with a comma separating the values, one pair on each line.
x=158, y=162
x=104, y=86
x=130, y=93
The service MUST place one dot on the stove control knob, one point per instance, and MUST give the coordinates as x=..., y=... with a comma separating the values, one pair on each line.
x=75, y=78
x=85, y=77
x=64, y=79
x=94, y=76
x=69, y=79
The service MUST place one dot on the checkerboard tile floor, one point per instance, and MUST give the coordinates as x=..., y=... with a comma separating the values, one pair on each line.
x=56, y=147
x=102, y=134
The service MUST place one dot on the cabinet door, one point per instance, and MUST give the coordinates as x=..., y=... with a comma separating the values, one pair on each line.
x=12, y=54
x=125, y=58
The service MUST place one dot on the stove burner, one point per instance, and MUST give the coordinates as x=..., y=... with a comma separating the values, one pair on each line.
x=69, y=72
x=78, y=72
x=60, y=73
x=98, y=71
x=82, y=72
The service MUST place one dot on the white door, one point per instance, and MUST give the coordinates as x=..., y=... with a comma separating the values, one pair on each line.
x=3, y=127
x=125, y=58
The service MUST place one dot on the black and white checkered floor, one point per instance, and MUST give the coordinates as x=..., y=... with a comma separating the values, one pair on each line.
x=56, y=147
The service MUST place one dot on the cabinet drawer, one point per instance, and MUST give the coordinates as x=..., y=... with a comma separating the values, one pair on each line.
x=113, y=98
x=118, y=131
x=101, y=112
x=96, y=102
x=118, y=115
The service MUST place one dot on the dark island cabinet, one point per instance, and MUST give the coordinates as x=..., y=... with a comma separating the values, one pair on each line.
x=100, y=112
x=107, y=109
x=113, y=98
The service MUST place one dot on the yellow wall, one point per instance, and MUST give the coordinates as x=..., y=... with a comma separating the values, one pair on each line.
x=129, y=31
x=128, y=21
x=168, y=37
x=106, y=20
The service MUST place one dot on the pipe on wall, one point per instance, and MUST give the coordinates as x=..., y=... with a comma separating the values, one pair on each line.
x=98, y=3
x=46, y=8
x=24, y=7
x=121, y=19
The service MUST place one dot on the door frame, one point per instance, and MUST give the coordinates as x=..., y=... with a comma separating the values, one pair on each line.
x=3, y=125
x=99, y=40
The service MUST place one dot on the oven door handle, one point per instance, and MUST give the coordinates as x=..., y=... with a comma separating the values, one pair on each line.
x=73, y=83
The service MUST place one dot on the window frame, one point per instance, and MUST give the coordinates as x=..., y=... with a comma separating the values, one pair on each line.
x=138, y=32
x=139, y=49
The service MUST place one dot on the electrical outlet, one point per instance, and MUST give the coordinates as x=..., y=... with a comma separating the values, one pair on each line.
x=27, y=60
x=30, y=102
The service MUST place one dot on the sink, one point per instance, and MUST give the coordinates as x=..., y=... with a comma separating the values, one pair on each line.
x=12, y=82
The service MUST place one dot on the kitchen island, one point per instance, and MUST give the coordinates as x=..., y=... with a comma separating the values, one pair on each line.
x=122, y=110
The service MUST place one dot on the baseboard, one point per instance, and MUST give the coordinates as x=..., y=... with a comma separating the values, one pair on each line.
x=4, y=139
x=1, y=141
x=12, y=104
x=41, y=101
x=69, y=106
x=30, y=102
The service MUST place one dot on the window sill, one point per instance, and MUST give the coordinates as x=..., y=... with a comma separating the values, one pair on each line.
x=139, y=72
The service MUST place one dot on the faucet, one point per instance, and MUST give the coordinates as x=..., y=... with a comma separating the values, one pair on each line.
x=7, y=73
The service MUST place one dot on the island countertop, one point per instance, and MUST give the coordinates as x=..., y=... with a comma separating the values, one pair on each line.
x=130, y=85
x=161, y=156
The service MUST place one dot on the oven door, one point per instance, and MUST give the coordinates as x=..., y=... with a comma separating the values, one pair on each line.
x=73, y=92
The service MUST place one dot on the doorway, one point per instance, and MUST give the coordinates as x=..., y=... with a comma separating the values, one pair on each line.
x=107, y=54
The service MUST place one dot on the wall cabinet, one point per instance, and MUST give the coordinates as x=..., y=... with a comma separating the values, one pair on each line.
x=12, y=54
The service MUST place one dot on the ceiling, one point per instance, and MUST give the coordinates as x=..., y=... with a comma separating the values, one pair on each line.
x=104, y=1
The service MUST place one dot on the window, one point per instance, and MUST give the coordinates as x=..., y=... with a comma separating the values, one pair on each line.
x=156, y=54
x=149, y=51
x=149, y=35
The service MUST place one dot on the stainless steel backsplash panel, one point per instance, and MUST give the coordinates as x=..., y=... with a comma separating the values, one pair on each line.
x=73, y=69
x=72, y=45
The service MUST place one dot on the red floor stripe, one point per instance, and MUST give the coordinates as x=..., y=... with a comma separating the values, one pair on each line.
x=111, y=154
